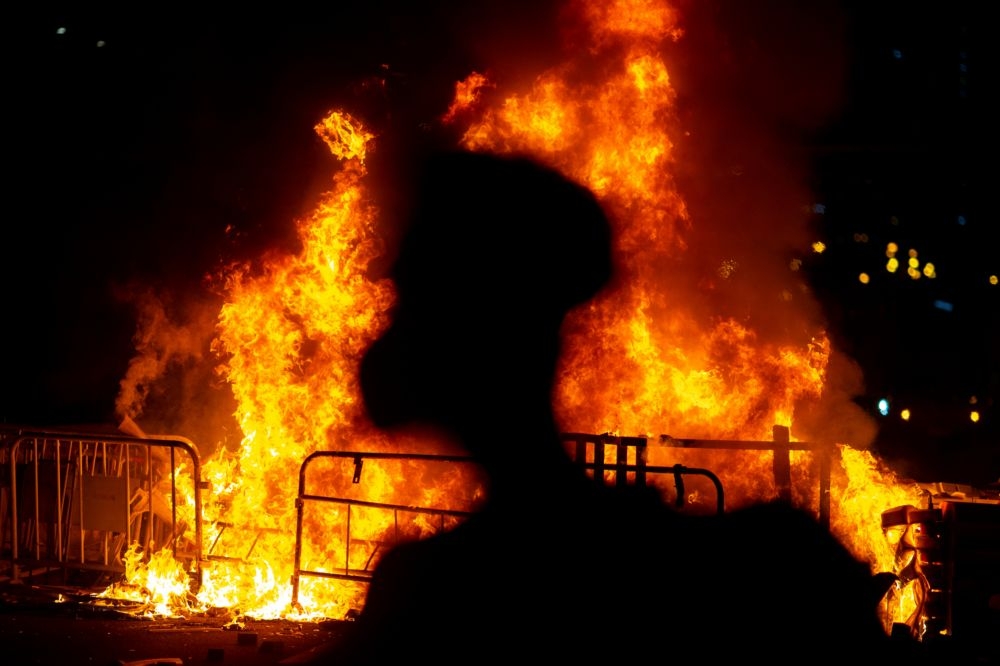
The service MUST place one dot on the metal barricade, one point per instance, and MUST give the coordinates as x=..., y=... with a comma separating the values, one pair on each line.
x=76, y=501
x=781, y=447
x=622, y=461
x=626, y=466
x=355, y=564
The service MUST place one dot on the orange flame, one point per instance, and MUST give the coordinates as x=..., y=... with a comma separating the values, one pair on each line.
x=637, y=360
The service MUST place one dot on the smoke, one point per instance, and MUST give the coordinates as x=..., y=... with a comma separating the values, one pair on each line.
x=170, y=385
x=757, y=84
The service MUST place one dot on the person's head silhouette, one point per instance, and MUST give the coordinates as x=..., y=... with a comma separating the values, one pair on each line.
x=496, y=251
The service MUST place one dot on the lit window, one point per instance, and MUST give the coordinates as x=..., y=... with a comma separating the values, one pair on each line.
x=905, y=415
x=863, y=278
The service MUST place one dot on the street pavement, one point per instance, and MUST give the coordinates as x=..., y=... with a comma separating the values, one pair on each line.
x=36, y=631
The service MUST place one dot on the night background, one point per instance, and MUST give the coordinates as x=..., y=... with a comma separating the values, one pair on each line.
x=146, y=149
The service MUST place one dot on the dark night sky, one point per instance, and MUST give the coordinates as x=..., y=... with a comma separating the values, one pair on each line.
x=128, y=162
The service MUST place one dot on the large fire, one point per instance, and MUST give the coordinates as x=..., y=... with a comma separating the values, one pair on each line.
x=639, y=361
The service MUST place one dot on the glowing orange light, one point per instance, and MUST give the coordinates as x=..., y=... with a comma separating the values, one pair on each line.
x=641, y=359
x=864, y=278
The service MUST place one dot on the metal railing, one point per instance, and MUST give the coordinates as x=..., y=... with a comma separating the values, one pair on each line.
x=628, y=467
x=78, y=501
x=781, y=448
x=345, y=571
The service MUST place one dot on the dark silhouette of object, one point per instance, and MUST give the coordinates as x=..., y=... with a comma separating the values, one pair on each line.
x=557, y=567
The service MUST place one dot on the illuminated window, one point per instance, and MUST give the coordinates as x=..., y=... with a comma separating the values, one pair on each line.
x=993, y=280
x=974, y=416
x=819, y=247
x=863, y=278
x=905, y=415
x=883, y=407
x=929, y=270
x=891, y=249
x=892, y=265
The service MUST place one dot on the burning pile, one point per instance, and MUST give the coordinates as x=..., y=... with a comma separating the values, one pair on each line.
x=645, y=359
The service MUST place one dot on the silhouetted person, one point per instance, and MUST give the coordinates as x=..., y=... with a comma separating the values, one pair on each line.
x=555, y=567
